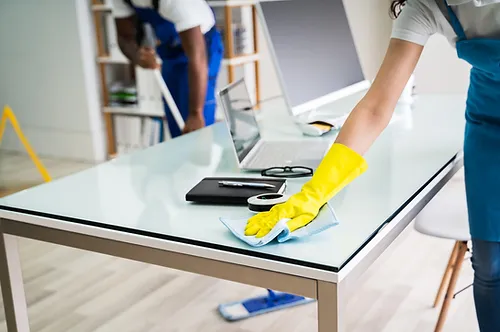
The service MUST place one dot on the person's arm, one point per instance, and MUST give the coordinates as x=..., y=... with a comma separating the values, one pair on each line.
x=193, y=43
x=374, y=111
x=141, y=56
x=192, y=18
x=344, y=162
x=126, y=32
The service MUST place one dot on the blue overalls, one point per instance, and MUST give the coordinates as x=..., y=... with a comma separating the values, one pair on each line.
x=482, y=169
x=175, y=66
x=482, y=132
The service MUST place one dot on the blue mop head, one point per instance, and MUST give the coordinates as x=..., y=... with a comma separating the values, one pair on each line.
x=260, y=305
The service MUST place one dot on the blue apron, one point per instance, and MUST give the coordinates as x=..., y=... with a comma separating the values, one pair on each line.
x=175, y=66
x=482, y=132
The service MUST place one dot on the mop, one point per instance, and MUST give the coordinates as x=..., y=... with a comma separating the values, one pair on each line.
x=251, y=307
x=150, y=41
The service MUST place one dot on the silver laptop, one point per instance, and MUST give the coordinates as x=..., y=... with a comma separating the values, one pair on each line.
x=255, y=153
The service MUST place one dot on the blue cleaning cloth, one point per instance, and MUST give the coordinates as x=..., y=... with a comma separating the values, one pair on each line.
x=325, y=219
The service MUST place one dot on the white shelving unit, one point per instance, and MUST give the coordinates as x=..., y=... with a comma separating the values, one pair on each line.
x=241, y=60
x=125, y=125
x=112, y=64
x=250, y=58
x=101, y=8
x=130, y=111
x=110, y=60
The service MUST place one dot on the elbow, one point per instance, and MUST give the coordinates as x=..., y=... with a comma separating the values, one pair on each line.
x=377, y=112
x=380, y=116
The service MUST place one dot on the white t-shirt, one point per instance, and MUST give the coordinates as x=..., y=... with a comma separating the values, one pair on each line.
x=184, y=14
x=420, y=19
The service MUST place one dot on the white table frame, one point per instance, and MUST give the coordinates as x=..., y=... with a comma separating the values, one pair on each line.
x=328, y=288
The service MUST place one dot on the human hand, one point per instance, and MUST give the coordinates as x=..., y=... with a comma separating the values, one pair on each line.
x=194, y=122
x=339, y=167
x=146, y=58
x=301, y=209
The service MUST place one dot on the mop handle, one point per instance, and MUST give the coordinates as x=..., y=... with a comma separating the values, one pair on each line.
x=169, y=99
x=149, y=41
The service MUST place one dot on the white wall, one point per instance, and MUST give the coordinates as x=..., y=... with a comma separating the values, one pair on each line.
x=269, y=86
x=371, y=27
x=440, y=70
x=48, y=76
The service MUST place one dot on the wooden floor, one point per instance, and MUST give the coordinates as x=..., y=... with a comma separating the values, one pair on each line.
x=73, y=290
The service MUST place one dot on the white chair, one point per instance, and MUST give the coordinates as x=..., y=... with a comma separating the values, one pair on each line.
x=446, y=217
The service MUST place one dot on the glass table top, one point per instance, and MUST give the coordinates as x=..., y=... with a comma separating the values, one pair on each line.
x=144, y=192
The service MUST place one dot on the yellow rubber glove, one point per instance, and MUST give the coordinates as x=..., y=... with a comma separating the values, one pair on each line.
x=338, y=168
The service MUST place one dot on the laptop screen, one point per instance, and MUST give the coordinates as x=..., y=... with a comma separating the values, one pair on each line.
x=240, y=117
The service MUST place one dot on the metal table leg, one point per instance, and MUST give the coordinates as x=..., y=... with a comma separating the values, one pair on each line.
x=11, y=280
x=330, y=308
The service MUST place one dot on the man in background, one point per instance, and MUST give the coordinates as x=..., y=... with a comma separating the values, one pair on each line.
x=189, y=46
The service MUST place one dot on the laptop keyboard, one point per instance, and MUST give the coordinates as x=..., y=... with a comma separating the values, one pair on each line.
x=300, y=153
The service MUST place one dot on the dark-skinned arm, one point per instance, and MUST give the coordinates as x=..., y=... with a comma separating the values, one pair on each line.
x=126, y=32
x=193, y=43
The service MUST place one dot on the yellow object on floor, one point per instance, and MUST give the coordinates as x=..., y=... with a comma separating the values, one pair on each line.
x=340, y=166
x=9, y=115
